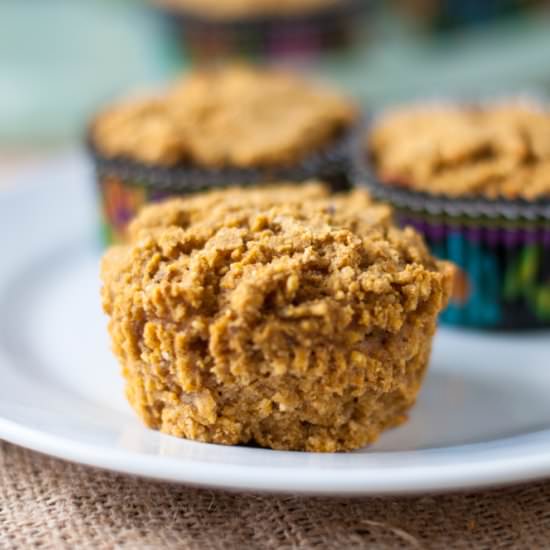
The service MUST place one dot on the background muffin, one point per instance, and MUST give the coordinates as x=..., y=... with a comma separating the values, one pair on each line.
x=216, y=128
x=444, y=15
x=264, y=29
x=476, y=181
x=284, y=317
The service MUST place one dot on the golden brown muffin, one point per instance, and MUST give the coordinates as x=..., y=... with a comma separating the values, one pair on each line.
x=229, y=9
x=495, y=150
x=284, y=316
x=235, y=116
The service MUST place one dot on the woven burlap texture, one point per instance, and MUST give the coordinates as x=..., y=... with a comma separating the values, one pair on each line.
x=47, y=503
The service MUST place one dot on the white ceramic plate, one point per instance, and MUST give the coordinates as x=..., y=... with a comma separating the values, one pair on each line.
x=482, y=419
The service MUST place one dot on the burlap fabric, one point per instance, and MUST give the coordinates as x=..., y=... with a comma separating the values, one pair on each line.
x=47, y=503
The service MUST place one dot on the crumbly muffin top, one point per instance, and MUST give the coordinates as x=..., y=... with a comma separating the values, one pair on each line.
x=228, y=9
x=496, y=150
x=235, y=116
x=271, y=257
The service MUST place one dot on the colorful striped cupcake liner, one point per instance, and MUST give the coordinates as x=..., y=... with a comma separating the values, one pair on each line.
x=504, y=275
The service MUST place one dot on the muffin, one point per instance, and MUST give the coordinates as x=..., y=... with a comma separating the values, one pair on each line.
x=475, y=180
x=445, y=15
x=216, y=128
x=265, y=30
x=284, y=317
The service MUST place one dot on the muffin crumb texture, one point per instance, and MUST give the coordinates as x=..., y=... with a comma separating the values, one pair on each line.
x=499, y=150
x=284, y=317
x=226, y=117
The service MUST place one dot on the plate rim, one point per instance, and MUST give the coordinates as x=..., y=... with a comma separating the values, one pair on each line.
x=486, y=473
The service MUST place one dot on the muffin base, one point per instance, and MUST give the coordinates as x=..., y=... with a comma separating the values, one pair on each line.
x=320, y=423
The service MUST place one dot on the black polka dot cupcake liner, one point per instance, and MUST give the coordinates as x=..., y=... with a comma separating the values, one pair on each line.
x=332, y=29
x=502, y=249
x=125, y=186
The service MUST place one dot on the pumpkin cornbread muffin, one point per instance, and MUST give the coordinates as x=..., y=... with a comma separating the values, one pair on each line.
x=265, y=30
x=475, y=180
x=282, y=316
x=215, y=128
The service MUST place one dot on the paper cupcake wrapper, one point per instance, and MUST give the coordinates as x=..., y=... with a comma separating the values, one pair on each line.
x=330, y=29
x=125, y=186
x=502, y=248
x=120, y=201
x=504, y=275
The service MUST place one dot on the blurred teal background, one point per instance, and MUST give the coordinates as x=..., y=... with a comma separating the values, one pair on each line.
x=61, y=59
